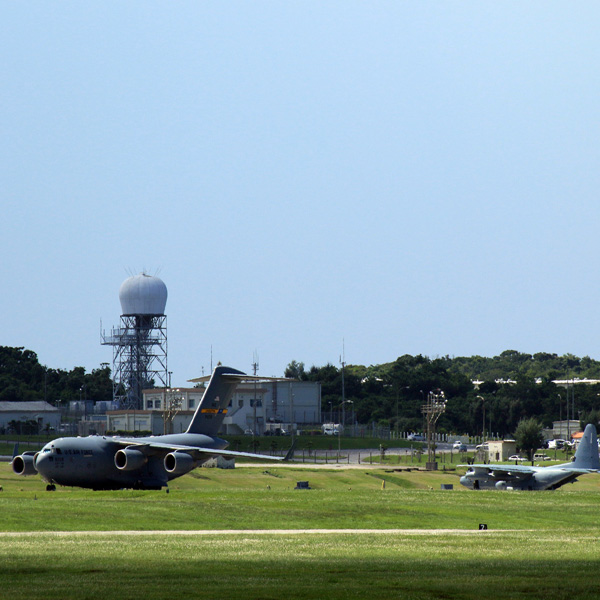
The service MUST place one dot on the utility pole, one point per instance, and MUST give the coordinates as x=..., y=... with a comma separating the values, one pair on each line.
x=292, y=410
x=573, y=399
x=483, y=420
x=254, y=370
x=343, y=363
x=560, y=412
x=572, y=408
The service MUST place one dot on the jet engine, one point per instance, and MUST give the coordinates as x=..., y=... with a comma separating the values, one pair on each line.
x=178, y=463
x=129, y=459
x=501, y=485
x=24, y=464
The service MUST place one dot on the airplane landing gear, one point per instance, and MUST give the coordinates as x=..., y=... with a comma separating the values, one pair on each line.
x=50, y=487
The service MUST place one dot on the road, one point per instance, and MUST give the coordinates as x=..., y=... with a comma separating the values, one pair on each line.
x=357, y=457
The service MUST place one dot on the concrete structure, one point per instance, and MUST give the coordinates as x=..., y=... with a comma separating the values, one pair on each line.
x=567, y=383
x=41, y=412
x=219, y=462
x=564, y=430
x=161, y=398
x=292, y=404
x=146, y=420
x=158, y=405
x=501, y=451
x=91, y=427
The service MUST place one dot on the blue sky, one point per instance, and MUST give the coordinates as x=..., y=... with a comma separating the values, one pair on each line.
x=409, y=177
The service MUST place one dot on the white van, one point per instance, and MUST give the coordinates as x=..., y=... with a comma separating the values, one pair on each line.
x=541, y=457
x=330, y=428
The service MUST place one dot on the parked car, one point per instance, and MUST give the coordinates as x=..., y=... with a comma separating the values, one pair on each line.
x=277, y=431
x=415, y=437
x=516, y=457
x=541, y=457
x=458, y=445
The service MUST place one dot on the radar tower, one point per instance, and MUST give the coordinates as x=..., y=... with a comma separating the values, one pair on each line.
x=140, y=343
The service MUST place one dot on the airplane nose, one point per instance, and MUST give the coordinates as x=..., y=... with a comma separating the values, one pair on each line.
x=43, y=464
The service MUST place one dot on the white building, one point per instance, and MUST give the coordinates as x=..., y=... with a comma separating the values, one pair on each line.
x=146, y=420
x=43, y=413
x=252, y=407
x=165, y=410
x=563, y=430
x=292, y=404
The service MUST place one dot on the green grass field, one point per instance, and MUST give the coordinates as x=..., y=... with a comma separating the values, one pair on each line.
x=538, y=544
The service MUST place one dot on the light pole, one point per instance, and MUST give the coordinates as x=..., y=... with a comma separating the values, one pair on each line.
x=84, y=401
x=483, y=420
x=292, y=410
x=406, y=387
x=343, y=363
x=432, y=410
x=339, y=433
x=352, y=402
x=568, y=423
x=255, y=369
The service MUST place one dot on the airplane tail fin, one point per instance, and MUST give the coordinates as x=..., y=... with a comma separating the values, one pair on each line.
x=212, y=409
x=586, y=456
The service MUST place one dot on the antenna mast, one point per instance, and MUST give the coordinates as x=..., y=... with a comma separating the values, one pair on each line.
x=254, y=370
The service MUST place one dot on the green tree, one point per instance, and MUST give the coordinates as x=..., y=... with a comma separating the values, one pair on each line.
x=295, y=370
x=528, y=436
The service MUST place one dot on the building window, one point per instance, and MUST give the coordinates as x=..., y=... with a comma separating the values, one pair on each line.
x=240, y=403
x=191, y=402
x=149, y=404
x=256, y=402
x=157, y=404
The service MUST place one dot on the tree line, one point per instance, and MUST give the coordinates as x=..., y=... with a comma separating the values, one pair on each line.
x=23, y=379
x=512, y=386
x=389, y=394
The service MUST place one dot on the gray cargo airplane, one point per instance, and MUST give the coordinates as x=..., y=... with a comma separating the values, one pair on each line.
x=522, y=477
x=111, y=463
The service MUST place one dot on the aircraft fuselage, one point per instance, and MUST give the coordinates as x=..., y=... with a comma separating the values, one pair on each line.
x=93, y=462
x=545, y=478
x=108, y=463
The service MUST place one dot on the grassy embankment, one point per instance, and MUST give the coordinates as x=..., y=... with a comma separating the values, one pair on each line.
x=539, y=544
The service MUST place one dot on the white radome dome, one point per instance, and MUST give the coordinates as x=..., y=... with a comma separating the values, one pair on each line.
x=143, y=295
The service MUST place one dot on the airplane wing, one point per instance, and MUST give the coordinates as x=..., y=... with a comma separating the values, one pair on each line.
x=527, y=470
x=196, y=451
x=502, y=472
x=521, y=476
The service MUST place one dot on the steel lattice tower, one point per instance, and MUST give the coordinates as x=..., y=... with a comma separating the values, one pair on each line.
x=140, y=343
